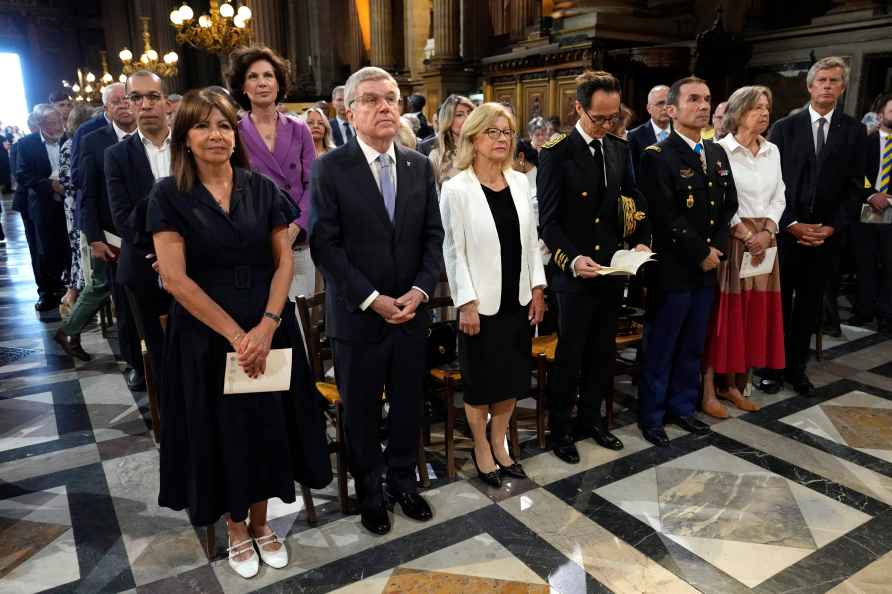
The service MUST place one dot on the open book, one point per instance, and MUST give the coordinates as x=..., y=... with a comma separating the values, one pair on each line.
x=747, y=269
x=626, y=262
x=276, y=379
x=868, y=215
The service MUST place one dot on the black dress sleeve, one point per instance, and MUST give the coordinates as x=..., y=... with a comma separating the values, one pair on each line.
x=283, y=211
x=160, y=215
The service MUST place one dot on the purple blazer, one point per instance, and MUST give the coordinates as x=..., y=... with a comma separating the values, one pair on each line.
x=289, y=164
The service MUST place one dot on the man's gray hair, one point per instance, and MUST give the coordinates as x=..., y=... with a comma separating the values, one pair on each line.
x=656, y=89
x=107, y=91
x=42, y=111
x=364, y=75
x=828, y=63
x=537, y=123
x=336, y=90
x=741, y=102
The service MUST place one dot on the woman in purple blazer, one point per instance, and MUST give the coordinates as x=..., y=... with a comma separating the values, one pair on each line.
x=278, y=145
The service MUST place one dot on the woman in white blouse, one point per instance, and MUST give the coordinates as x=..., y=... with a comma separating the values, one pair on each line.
x=747, y=330
x=496, y=279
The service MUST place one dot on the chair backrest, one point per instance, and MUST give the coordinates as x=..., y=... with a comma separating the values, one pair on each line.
x=318, y=346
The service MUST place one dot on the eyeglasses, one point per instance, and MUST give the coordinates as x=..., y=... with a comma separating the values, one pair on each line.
x=599, y=120
x=138, y=98
x=374, y=100
x=495, y=133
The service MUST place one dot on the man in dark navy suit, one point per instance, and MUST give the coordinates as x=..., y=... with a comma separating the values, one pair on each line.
x=654, y=130
x=37, y=173
x=822, y=158
x=375, y=234
x=341, y=130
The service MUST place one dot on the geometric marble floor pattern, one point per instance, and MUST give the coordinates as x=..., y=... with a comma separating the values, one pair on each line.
x=794, y=498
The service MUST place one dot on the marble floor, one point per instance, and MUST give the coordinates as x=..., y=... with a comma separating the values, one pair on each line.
x=794, y=498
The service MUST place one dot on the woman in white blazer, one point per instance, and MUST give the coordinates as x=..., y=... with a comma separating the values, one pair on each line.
x=496, y=279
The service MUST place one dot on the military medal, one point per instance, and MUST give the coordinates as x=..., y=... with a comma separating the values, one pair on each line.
x=690, y=201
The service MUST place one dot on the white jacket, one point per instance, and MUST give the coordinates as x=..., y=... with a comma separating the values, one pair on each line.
x=471, y=243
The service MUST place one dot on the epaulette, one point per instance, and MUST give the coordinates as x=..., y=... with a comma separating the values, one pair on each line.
x=556, y=139
x=615, y=137
x=655, y=148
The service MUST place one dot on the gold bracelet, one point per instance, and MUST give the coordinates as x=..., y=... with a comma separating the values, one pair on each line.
x=237, y=338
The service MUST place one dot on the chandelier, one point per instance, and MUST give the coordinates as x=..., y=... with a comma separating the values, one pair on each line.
x=85, y=87
x=165, y=67
x=219, y=32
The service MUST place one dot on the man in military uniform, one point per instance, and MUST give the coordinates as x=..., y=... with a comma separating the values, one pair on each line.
x=588, y=202
x=691, y=197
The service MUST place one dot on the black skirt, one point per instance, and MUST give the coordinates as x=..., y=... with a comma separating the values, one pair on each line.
x=495, y=364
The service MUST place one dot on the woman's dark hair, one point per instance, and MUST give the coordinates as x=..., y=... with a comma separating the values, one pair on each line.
x=196, y=107
x=241, y=59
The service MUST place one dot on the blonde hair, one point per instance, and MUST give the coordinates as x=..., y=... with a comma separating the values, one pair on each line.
x=483, y=117
x=327, y=140
x=741, y=102
x=445, y=141
x=405, y=135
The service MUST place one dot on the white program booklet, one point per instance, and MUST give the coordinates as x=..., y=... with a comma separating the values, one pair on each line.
x=112, y=239
x=626, y=262
x=868, y=215
x=276, y=379
x=747, y=269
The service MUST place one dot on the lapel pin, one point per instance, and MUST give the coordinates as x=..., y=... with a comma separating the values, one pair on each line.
x=408, y=163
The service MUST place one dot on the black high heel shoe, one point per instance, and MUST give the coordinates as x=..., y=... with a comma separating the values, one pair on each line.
x=490, y=478
x=513, y=471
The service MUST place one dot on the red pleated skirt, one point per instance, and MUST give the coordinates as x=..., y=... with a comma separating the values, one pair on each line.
x=747, y=327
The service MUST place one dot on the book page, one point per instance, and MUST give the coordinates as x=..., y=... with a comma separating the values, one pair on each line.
x=626, y=262
x=747, y=269
x=276, y=379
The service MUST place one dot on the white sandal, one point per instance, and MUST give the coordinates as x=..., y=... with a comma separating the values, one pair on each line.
x=249, y=567
x=276, y=559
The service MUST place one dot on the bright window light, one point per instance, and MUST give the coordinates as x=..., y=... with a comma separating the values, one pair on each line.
x=13, y=107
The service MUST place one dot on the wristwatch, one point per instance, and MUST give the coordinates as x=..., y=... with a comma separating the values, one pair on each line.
x=273, y=317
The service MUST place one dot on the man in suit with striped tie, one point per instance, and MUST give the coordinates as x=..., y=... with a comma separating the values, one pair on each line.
x=873, y=242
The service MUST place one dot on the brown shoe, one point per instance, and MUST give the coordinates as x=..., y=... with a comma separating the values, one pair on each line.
x=71, y=345
x=714, y=408
x=738, y=400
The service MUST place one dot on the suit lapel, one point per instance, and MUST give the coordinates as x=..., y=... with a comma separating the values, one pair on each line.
x=582, y=156
x=805, y=143
x=611, y=162
x=257, y=148
x=405, y=182
x=139, y=160
x=834, y=137
x=360, y=173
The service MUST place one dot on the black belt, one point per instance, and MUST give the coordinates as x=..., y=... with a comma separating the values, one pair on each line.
x=240, y=277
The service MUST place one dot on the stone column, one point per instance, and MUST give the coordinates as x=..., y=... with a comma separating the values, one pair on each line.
x=357, y=46
x=447, y=30
x=416, y=28
x=382, y=34
x=521, y=13
x=267, y=24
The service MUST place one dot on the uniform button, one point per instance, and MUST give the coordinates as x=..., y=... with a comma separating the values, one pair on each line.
x=584, y=194
x=597, y=220
x=711, y=222
x=712, y=202
x=597, y=247
x=709, y=240
x=689, y=187
x=710, y=184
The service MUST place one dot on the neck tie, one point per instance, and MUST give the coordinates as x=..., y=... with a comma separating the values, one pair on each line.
x=885, y=165
x=662, y=136
x=819, y=143
x=348, y=133
x=698, y=148
x=385, y=184
x=598, y=156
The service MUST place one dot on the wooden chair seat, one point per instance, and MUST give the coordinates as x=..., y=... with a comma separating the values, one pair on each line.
x=546, y=346
x=329, y=392
x=441, y=375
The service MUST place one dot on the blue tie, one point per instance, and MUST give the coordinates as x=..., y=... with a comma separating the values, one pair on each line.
x=698, y=148
x=385, y=183
x=662, y=136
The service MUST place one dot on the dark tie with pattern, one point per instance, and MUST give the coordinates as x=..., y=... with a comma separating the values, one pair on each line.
x=822, y=138
x=348, y=133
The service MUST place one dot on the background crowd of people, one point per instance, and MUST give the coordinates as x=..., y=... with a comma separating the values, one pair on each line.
x=218, y=208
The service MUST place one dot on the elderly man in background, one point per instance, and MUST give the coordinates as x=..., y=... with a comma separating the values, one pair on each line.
x=654, y=130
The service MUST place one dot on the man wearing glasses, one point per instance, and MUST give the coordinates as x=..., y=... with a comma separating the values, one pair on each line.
x=375, y=234
x=581, y=179
x=131, y=169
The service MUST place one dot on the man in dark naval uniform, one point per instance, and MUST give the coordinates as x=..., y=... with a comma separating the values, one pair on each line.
x=589, y=203
x=691, y=197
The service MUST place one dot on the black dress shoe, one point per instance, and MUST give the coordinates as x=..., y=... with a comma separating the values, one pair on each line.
x=490, y=478
x=376, y=520
x=46, y=304
x=656, y=436
x=70, y=346
x=606, y=439
x=690, y=424
x=834, y=331
x=413, y=504
x=768, y=386
x=802, y=385
x=135, y=380
x=565, y=449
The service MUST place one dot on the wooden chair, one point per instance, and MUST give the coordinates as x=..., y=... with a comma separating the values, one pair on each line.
x=322, y=356
x=449, y=382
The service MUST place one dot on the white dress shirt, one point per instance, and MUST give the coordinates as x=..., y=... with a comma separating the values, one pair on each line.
x=657, y=130
x=121, y=134
x=371, y=156
x=52, y=152
x=758, y=179
x=159, y=156
x=342, y=124
x=815, y=116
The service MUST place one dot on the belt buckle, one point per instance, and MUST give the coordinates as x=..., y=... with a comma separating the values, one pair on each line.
x=242, y=277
